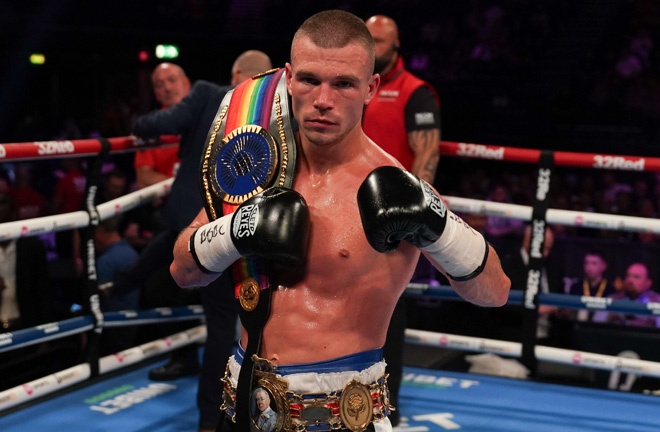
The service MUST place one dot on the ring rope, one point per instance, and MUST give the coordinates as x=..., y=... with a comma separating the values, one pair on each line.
x=560, y=158
x=150, y=316
x=23, y=151
x=45, y=332
x=556, y=216
x=550, y=354
x=79, y=373
x=35, y=150
x=569, y=301
x=60, y=329
x=80, y=219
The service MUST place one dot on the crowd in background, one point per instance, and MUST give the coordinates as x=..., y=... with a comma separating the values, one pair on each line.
x=585, y=74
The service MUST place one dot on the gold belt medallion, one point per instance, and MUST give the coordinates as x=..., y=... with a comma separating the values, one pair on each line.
x=249, y=294
x=267, y=385
x=356, y=407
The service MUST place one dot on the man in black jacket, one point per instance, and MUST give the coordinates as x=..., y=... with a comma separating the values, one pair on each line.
x=192, y=119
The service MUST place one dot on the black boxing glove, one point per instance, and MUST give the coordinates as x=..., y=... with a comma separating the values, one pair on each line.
x=395, y=205
x=273, y=225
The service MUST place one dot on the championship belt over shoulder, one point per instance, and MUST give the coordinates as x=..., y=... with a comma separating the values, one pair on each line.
x=249, y=148
x=257, y=149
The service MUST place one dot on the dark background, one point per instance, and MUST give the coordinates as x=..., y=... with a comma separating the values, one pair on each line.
x=537, y=74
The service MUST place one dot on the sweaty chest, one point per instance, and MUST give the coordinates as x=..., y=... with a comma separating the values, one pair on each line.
x=336, y=229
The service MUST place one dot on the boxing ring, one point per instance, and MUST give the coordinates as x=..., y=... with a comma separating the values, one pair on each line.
x=113, y=392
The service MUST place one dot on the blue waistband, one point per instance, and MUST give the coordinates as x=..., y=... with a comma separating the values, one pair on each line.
x=352, y=362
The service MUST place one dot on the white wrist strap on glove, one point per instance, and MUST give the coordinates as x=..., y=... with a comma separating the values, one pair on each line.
x=461, y=251
x=211, y=246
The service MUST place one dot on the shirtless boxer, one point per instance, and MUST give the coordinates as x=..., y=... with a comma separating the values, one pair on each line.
x=362, y=246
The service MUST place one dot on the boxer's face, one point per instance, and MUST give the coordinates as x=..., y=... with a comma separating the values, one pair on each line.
x=329, y=88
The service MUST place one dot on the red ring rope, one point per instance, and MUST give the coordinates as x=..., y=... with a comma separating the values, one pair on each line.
x=585, y=160
x=83, y=147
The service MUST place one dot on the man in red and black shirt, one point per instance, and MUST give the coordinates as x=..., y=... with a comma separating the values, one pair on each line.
x=404, y=117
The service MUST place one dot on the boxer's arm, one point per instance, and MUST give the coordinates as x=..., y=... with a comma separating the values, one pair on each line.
x=184, y=270
x=272, y=225
x=489, y=288
x=395, y=205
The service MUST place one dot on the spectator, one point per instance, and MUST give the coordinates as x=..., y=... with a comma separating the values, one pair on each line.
x=67, y=197
x=593, y=283
x=636, y=287
x=114, y=256
x=137, y=223
x=170, y=85
x=115, y=185
x=612, y=187
x=28, y=202
x=647, y=210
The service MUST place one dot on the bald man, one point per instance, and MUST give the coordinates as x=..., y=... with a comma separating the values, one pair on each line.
x=249, y=64
x=638, y=287
x=191, y=118
x=170, y=85
x=404, y=119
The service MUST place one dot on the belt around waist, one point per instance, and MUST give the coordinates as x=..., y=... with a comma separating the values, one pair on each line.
x=339, y=394
x=351, y=362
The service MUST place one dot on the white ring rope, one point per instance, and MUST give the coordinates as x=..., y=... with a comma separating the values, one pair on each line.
x=79, y=373
x=80, y=219
x=550, y=354
x=556, y=216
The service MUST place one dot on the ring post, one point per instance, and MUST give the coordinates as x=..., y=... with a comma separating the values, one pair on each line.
x=535, y=266
x=90, y=283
